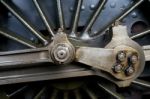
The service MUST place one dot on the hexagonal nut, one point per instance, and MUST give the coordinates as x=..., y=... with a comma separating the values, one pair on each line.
x=62, y=53
x=133, y=59
x=117, y=68
x=129, y=71
x=121, y=56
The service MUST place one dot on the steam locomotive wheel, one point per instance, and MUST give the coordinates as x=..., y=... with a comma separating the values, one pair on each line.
x=33, y=25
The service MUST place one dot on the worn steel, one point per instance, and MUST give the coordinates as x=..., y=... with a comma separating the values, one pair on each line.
x=61, y=51
x=121, y=60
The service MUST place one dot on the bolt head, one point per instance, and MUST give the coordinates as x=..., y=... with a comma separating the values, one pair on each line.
x=121, y=56
x=61, y=54
x=134, y=59
x=129, y=71
x=118, y=68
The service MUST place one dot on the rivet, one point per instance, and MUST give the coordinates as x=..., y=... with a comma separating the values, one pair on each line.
x=113, y=5
x=134, y=15
x=82, y=7
x=92, y=6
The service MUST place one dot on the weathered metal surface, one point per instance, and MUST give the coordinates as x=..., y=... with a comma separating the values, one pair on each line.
x=61, y=51
x=118, y=68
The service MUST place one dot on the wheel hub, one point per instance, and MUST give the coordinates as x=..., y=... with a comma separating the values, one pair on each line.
x=62, y=53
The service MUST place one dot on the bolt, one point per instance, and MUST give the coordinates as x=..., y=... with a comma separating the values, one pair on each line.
x=134, y=15
x=124, y=20
x=61, y=54
x=129, y=71
x=92, y=6
x=82, y=7
x=118, y=68
x=121, y=56
x=113, y=5
x=134, y=59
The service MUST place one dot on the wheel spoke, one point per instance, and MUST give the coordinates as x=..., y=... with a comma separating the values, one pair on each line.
x=121, y=16
x=66, y=95
x=13, y=9
x=109, y=91
x=54, y=94
x=142, y=83
x=94, y=16
x=130, y=10
x=90, y=93
x=43, y=16
x=76, y=18
x=3, y=95
x=9, y=34
x=60, y=15
x=77, y=94
x=141, y=34
x=40, y=93
x=17, y=91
